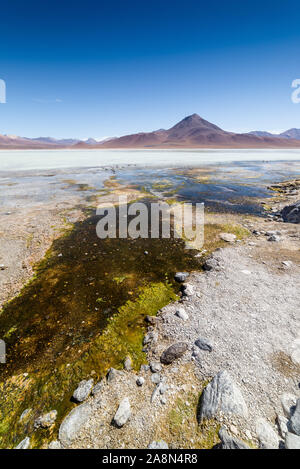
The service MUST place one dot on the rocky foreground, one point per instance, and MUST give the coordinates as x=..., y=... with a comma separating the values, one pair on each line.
x=223, y=362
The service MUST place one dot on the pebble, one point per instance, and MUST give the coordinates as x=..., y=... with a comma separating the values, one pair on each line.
x=182, y=314
x=140, y=381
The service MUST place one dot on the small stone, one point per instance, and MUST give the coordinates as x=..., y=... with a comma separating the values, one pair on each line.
x=211, y=264
x=3, y=267
x=181, y=276
x=160, y=444
x=145, y=368
x=83, y=390
x=182, y=314
x=155, y=367
x=128, y=364
x=163, y=388
x=55, y=444
x=146, y=253
x=282, y=425
x=274, y=238
x=229, y=442
x=287, y=264
x=228, y=237
x=173, y=352
x=25, y=414
x=155, y=378
x=46, y=420
x=98, y=387
x=187, y=290
x=203, y=344
x=292, y=441
x=123, y=413
x=24, y=444
x=112, y=374
x=140, y=381
x=151, y=336
x=288, y=402
x=267, y=437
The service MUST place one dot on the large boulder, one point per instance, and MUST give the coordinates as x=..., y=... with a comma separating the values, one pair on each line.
x=173, y=352
x=73, y=423
x=222, y=395
x=291, y=213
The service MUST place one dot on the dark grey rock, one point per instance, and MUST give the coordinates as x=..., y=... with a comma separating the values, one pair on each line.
x=173, y=352
x=222, y=395
x=229, y=442
x=291, y=213
x=203, y=344
x=181, y=276
x=83, y=390
x=73, y=422
x=211, y=264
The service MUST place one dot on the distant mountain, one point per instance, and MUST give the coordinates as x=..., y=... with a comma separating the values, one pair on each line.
x=289, y=134
x=191, y=132
x=195, y=132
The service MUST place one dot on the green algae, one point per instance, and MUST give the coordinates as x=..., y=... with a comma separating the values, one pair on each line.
x=73, y=320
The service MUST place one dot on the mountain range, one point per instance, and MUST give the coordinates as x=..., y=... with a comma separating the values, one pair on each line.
x=191, y=132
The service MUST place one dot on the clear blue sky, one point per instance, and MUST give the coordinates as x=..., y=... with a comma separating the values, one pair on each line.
x=95, y=68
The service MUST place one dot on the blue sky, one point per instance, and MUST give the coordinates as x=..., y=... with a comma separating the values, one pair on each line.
x=81, y=69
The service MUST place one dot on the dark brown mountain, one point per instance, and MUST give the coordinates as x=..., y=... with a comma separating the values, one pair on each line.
x=195, y=132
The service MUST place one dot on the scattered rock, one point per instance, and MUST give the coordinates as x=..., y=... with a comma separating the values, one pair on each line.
x=292, y=441
x=24, y=444
x=228, y=237
x=222, y=395
x=173, y=352
x=123, y=413
x=182, y=314
x=55, y=444
x=229, y=442
x=275, y=238
x=140, y=381
x=287, y=264
x=187, y=290
x=128, y=364
x=98, y=387
x=151, y=336
x=112, y=374
x=46, y=420
x=155, y=367
x=155, y=378
x=288, y=402
x=83, y=390
x=211, y=264
x=161, y=444
x=24, y=414
x=3, y=267
x=291, y=213
x=181, y=276
x=282, y=423
x=267, y=437
x=294, y=423
x=73, y=422
x=203, y=344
